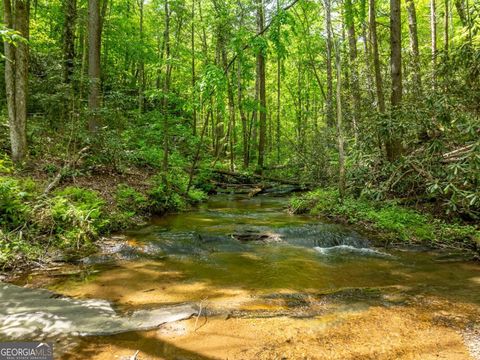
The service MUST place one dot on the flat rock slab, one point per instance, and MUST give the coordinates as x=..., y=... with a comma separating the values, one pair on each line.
x=32, y=313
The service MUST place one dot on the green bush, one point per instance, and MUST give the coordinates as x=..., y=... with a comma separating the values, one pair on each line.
x=77, y=216
x=14, y=201
x=168, y=192
x=391, y=220
x=6, y=165
x=165, y=194
x=131, y=201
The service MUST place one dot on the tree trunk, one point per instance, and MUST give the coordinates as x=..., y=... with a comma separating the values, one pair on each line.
x=329, y=102
x=341, y=152
x=262, y=91
x=194, y=123
x=141, y=63
x=376, y=57
x=94, y=71
x=393, y=144
x=231, y=108
x=16, y=77
x=433, y=31
x=446, y=35
x=412, y=27
x=166, y=90
x=70, y=11
x=352, y=41
x=279, y=68
x=460, y=6
x=243, y=117
x=367, y=50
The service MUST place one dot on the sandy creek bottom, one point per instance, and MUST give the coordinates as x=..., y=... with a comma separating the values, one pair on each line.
x=272, y=286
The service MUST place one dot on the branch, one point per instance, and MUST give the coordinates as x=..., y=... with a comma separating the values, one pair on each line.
x=81, y=154
x=264, y=30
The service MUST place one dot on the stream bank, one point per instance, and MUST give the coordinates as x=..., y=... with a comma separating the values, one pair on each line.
x=310, y=290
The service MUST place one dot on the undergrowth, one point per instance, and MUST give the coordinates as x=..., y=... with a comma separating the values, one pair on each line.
x=36, y=227
x=391, y=220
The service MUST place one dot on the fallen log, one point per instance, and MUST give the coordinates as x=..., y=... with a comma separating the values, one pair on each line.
x=68, y=165
x=266, y=178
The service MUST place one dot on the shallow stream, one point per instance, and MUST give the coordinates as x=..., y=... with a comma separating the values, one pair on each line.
x=244, y=259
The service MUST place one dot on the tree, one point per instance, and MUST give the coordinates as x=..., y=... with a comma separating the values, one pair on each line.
x=16, y=76
x=446, y=29
x=262, y=91
x=166, y=89
x=94, y=67
x=192, y=35
x=376, y=57
x=352, y=42
x=141, y=62
x=412, y=27
x=433, y=32
x=393, y=143
x=329, y=101
x=70, y=13
x=279, y=82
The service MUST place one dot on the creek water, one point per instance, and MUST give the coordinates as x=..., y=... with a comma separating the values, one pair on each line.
x=247, y=258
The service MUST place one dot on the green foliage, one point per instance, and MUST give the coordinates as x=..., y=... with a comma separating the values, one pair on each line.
x=131, y=201
x=393, y=221
x=6, y=165
x=15, y=197
x=77, y=216
x=71, y=218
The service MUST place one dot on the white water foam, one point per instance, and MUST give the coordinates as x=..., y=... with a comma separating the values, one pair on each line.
x=348, y=249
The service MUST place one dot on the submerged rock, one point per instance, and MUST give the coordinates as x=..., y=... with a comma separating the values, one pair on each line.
x=37, y=313
x=252, y=235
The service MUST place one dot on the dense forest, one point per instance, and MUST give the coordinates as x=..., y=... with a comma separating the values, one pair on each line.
x=116, y=109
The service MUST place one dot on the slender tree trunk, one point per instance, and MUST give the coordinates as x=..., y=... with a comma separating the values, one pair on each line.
x=94, y=71
x=279, y=69
x=243, y=117
x=70, y=13
x=376, y=57
x=393, y=144
x=219, y=129
x=340, y=138
x=231, y=107
x=367, y=50
x=16, y=77
x=460, y=6
x=141, y=63
x=194, y=124
x=352, y=41
x=446, y=29
x=84, y=65
x=433, y=31
x=262, y=91
x=412, y=27
x=166, y=90
x=329, y=102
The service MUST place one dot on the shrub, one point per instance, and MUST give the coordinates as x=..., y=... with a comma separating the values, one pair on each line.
x=388, y=218
x=14, y=197
x=77, y=216
x=131, y=201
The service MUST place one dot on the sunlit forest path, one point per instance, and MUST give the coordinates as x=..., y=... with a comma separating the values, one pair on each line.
x=266, y=284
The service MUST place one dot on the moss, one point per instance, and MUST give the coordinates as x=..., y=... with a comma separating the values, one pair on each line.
x=392, y=221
